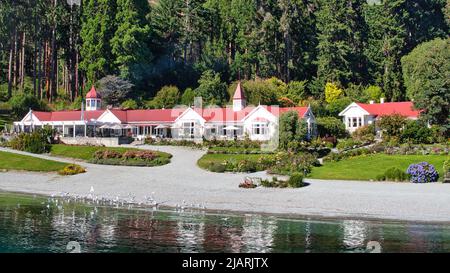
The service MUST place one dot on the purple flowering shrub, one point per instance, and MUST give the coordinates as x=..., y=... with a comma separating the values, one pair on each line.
x=422, y=172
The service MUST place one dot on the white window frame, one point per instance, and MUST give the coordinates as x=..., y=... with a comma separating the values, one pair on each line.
x=260, y=128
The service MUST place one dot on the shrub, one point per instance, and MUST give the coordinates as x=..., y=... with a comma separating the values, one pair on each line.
x=348, y=143
x=21, y=104
x=446, y=169
x=422, y=173
x=330, y=126
x=416, y=132
x=391, y=125
x=72, y=169
x=296, y=180
x=36, y=142
x=217, y=167
x=395, y=174
x=246, y=166
x=288, y=163
x=364, y=134
x=380, y=177
x=144, y=155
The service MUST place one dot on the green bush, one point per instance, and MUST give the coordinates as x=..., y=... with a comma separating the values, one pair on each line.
x=37, y=142
x=330, y=126
x=392, y=126
x=22, y=103
x=217, y=167
x=348, y=143
x=365, y=134
x=416, y=132
x=296, y=180
x=72, y=169
x=288, y=163
x=395, y=174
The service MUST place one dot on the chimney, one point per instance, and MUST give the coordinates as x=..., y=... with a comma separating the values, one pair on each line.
x=382, y=100
x=371, y=102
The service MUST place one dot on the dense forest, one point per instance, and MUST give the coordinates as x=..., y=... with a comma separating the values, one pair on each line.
x=165, y=52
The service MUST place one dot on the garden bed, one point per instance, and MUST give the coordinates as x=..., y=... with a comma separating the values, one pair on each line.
x=112, y=156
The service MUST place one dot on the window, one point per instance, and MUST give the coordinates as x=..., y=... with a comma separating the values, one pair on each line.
x=259, y=128
x=349, y=122
x=88, y=103
x=93, y=103
x=359, y=122
x=354, y=120
x=188, y=129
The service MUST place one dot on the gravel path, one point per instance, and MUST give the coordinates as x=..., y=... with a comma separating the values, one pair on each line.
x=183, y=180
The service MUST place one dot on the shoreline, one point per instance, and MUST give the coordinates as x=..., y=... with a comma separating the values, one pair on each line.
x=182, y=180
x=279, y=216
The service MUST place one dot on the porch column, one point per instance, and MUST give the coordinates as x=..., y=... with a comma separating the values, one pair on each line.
x=74, y=130
x=85, y=128
x=64, y=131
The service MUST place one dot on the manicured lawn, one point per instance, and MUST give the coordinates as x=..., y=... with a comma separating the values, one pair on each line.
x=11, y=161
x=87, y=152
x=207, y=159
x=368, y=167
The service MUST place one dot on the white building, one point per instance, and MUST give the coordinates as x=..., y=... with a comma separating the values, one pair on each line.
x=357, y=114
x=111, y=125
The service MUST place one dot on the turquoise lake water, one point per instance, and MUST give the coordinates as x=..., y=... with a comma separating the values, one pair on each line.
x=36, y=224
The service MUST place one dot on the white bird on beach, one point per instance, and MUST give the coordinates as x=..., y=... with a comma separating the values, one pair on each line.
x=92, y=189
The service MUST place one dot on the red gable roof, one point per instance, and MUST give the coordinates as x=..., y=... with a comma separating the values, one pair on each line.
x=389, y=108
x=239, y=93
x=227, y=114
x=92, y=94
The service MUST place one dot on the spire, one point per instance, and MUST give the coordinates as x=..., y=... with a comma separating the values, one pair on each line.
x=239, y=101
x=239, y=93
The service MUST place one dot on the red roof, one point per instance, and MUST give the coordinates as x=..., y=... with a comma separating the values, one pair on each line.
x=163, y=115
x=92, y=94
x=389, y=108
x=67, y=115
x=227, y=114
x=239, y=93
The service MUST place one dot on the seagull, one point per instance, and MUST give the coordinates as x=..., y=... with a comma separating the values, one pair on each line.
x=92, y=189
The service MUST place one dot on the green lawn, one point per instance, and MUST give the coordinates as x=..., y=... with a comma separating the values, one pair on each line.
x=11, y=161
x=368, y=167
x=87, y=152
x=207, y=159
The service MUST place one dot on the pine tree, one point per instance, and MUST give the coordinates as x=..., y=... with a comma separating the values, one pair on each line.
x=130, y=41
x=341, y=40
x=96, y=32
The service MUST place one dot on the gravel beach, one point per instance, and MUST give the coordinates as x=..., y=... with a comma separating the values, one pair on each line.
x=182, y=180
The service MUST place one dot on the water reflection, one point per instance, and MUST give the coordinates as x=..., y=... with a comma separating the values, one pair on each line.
x=36, y=226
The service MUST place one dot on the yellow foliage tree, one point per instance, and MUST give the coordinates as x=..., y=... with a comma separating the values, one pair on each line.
x=332, y=92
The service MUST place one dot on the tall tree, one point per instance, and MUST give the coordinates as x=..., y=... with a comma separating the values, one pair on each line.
x=341, y=34
x=130, y=41
x=97, y=29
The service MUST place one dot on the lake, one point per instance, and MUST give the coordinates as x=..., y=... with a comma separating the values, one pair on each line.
x=39, y=224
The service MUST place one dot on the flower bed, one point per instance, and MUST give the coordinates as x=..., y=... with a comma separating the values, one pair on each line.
x=140, y=158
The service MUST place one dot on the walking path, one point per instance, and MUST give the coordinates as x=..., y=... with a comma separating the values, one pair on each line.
x=182, y=180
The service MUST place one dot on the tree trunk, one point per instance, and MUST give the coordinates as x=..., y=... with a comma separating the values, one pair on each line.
x=10, y=68
x=39, y=71
x=22, y=63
